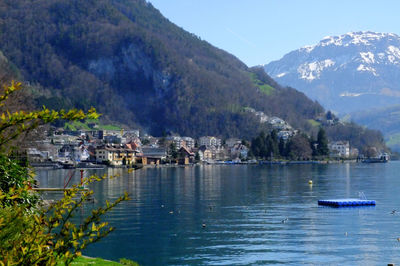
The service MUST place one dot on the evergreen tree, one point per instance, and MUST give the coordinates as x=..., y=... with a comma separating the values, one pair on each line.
x=322, y=141
x=282, y=148
x=274, y=148
x=172, y=151
x=329, y=115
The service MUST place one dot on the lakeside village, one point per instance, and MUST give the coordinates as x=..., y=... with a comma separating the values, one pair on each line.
x=126, y=148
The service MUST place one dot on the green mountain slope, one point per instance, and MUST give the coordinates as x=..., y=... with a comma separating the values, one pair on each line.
x=137, y=68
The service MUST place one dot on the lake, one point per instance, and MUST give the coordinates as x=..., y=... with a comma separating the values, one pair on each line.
x=255, y=214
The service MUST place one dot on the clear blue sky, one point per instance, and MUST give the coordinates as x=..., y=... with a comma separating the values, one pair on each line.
x=259, y=31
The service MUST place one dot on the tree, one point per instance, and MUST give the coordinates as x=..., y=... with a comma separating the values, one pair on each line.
x=282, y=147
x=322, y=142
x=299, y=148
x=41, y=236
x=172, y=151
x=329, y=115
x=273, y=144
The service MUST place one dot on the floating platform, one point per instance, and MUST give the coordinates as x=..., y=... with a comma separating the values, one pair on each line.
x=347, y=202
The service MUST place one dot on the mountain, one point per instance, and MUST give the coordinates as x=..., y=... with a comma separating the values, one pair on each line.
x=139, y=69
x=352, y=72
x=387, y=120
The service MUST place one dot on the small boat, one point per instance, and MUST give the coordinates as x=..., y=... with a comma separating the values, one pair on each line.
x=383, y=158
x=68, y=165
x=89, y=165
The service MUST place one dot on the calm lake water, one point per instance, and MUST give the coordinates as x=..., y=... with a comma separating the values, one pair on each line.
x=243, y=208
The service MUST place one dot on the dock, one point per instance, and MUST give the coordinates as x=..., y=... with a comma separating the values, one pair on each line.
x=57, y=189
x=346, y=202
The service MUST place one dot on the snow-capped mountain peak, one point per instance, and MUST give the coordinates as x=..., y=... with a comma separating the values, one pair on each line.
x=355, y=63
x=351, y=38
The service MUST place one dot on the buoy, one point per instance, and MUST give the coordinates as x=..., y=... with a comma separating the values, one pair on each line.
x=203, y=225
x=310, y=182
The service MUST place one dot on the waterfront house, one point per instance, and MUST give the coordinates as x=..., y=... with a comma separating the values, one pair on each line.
x=232, y=142
x=185, y=156
x=339, y=148
x=205, y=154
x=115, y=155
x=239, y=151
x=82, y=154
x=151, y=156
x=34, y=155
x=67, y=152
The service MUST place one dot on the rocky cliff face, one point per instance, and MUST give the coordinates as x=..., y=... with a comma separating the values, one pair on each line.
x=352, y=72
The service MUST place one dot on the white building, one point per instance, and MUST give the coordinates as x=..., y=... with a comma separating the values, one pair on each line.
x=340, y=148
x=178, y=141
x=232, y=142
x=210, y=141
x=189, y=142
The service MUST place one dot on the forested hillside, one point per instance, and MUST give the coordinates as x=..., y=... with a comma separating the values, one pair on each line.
x=386, y=120
x=137, y=68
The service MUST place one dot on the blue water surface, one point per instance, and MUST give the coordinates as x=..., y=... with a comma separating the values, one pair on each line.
x=246, y=215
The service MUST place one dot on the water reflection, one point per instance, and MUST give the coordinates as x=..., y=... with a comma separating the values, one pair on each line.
x=253, y=214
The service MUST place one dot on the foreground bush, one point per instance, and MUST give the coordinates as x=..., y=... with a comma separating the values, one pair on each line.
x=47, y=236
x=31, y=234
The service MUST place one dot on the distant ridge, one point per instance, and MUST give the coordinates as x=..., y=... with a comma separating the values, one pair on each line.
x=352, y=72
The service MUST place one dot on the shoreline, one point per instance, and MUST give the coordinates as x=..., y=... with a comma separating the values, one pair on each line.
x=260, y=162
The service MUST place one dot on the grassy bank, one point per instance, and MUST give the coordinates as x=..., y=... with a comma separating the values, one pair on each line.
x=81, y=261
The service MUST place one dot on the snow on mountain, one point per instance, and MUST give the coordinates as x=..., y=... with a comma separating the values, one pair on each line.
x=350, y=72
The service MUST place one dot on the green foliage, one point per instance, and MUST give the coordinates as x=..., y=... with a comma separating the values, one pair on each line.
x=197, y=157
x=41, y=236
x=270, y=147
x=172, y=151
x=84, y=261
x=264, y=88
x=322, y=143
x=314, y=123
x=48, y=235
x=84, y=125
x=14, y=176
x=124, y=261
x=298, y=148
x=266, y=146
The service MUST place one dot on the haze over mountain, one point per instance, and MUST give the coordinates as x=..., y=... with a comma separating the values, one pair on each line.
x=352, y=72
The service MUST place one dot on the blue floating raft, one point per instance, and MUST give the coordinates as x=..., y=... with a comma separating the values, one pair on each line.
x=347, y=202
